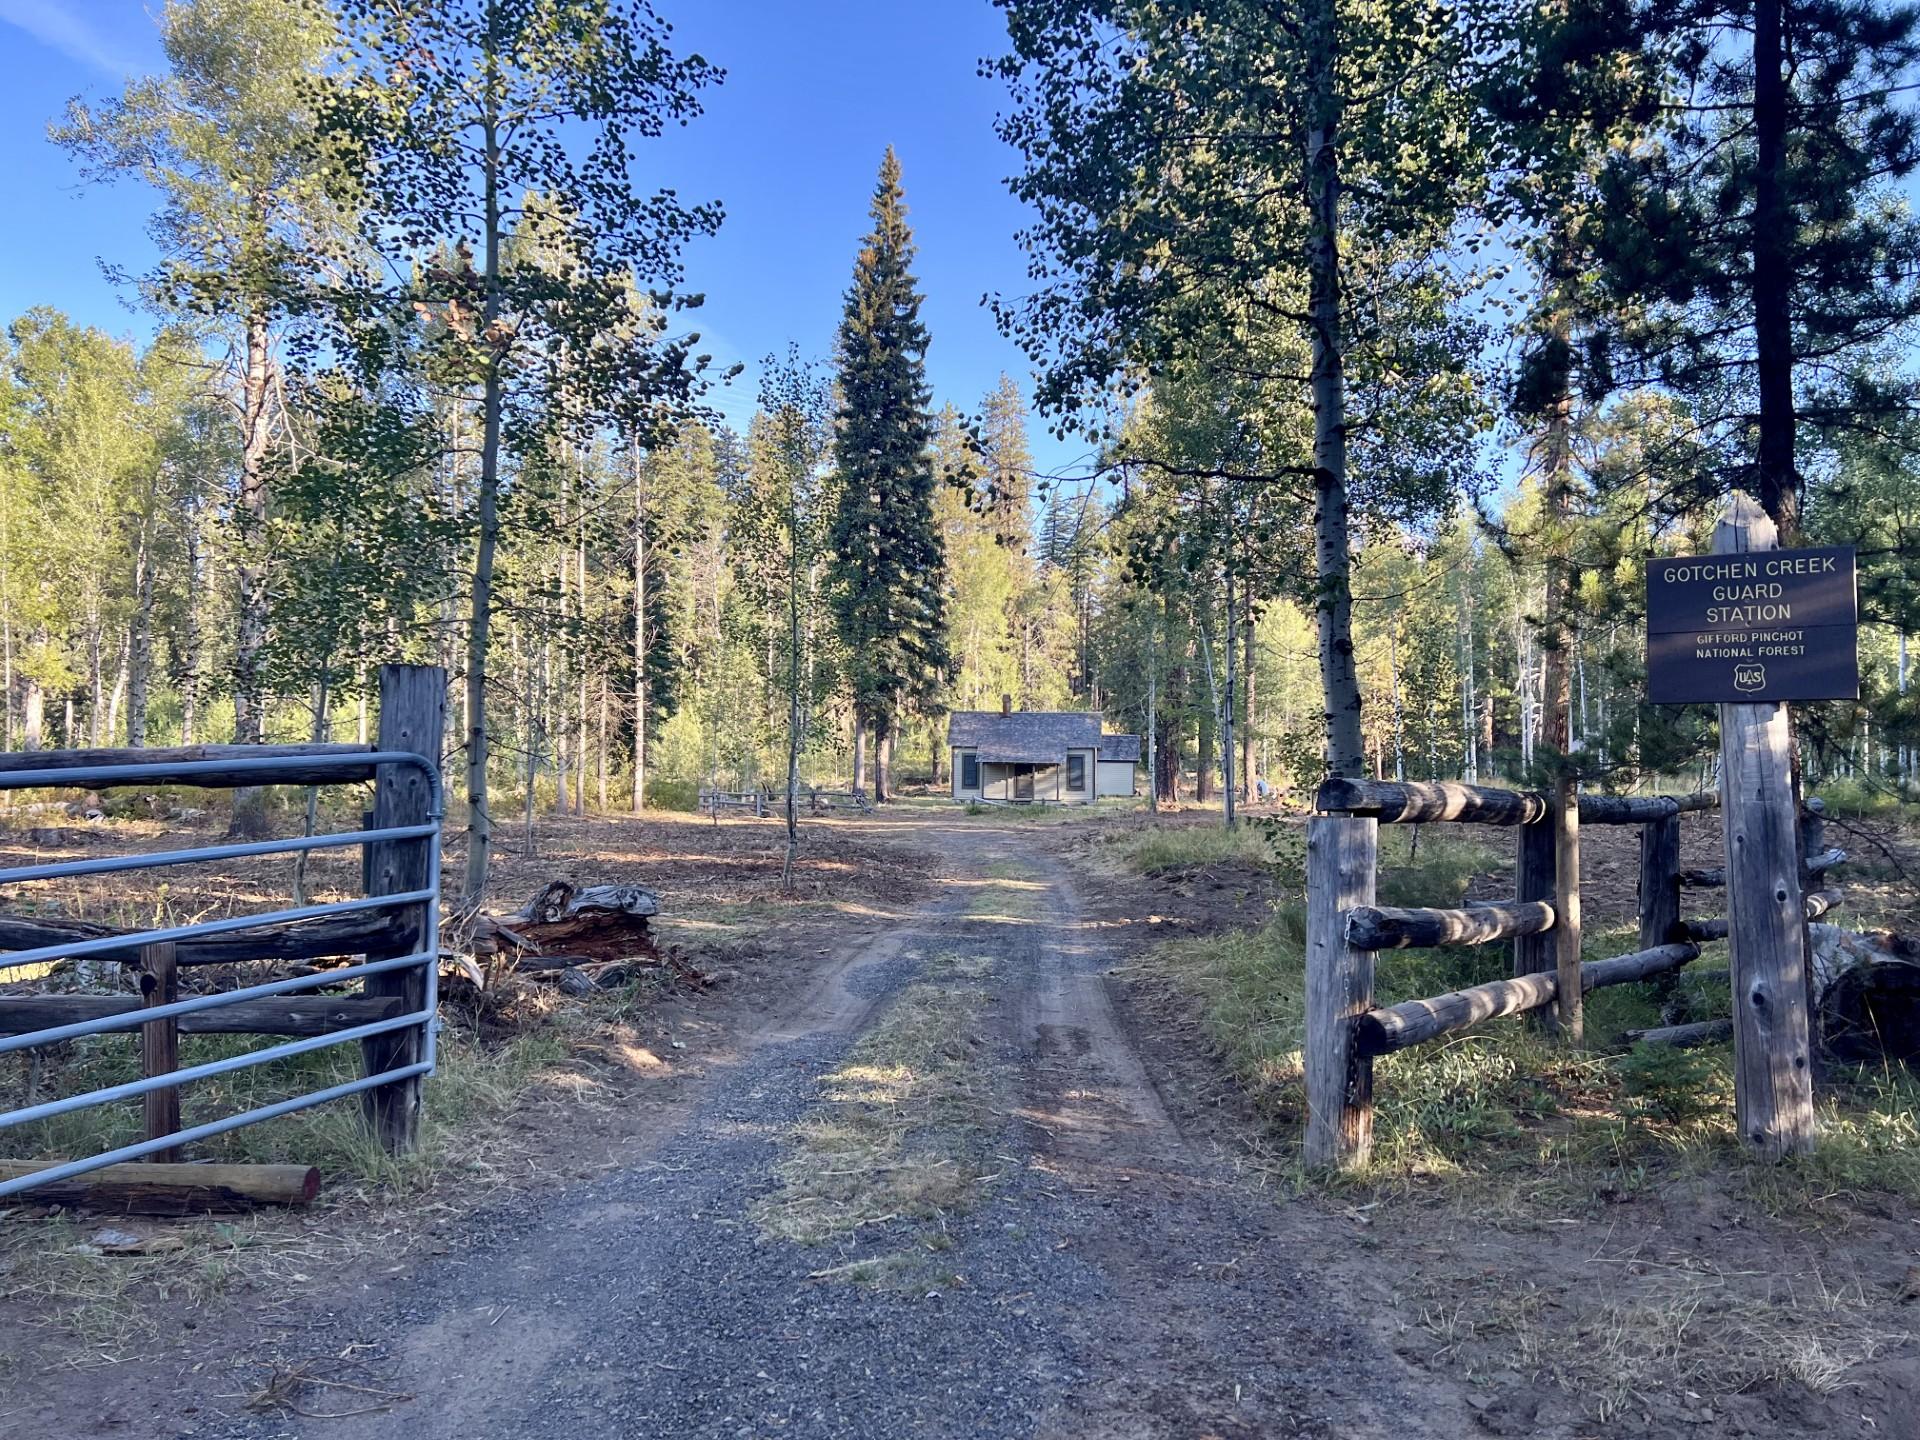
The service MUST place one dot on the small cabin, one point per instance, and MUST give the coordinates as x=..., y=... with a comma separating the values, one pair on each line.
x=1022, y=757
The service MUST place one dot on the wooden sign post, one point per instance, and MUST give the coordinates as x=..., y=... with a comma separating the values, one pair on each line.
x=1773, y=1076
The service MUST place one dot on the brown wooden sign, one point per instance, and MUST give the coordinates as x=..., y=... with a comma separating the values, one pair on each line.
x=1748, y=628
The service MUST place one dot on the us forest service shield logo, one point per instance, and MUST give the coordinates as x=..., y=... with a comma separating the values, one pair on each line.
x=1749, y=677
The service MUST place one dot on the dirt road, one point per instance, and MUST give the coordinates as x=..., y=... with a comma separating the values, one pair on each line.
x=1057, y=1260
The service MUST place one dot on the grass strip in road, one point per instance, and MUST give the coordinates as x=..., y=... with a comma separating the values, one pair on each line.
x=900, y=1130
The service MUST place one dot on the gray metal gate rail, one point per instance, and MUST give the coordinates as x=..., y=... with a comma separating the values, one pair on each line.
x=289, y=765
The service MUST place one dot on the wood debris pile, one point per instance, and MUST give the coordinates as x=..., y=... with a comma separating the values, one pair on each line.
x=582, y=940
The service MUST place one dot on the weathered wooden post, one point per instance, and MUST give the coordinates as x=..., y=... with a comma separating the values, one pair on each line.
x=1342, y=852
x=1659, y=880
x=160, y=1044
x=1569, y=997
x=413, y=717
x=1533, y=880
x=1773, y=1076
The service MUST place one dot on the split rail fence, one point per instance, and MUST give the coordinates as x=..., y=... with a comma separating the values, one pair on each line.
x=761, y=803
x=717, y=802
x=389, y=935
x=1346, y=1031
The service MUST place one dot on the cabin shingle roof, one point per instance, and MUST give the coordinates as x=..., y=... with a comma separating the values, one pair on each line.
x=1026, y=737
x=1036, y=737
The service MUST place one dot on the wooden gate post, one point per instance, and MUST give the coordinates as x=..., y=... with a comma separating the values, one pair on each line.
x=1342, y=852
x=1773, y=1077
x=413, y=716
x=1533, y=880
x=1659, y=881
x=160, y=1044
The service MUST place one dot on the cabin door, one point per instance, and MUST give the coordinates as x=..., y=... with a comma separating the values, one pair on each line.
x=1023, y=782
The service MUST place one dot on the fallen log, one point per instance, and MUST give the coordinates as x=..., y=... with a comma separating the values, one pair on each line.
x=1412, y=1022
x=170, y=759
x=532, y=963
x=137, y=1188
x=1684, y=1037
x=333, y=935
x=276, y=1015
x=1372, y=927
x=1868, y=994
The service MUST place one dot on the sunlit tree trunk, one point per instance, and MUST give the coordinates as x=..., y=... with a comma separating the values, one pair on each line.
x=250, y=612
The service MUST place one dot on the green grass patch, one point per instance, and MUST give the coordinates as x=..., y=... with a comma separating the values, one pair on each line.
x=1505, y=1111
x=1158, y=848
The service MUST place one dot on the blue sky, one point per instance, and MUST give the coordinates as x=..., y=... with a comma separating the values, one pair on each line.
x=791, y=143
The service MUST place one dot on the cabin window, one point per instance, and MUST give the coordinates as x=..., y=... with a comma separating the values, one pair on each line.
x=970, y=771
x=1076, y=771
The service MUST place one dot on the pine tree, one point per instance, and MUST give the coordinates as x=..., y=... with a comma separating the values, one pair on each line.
x=1765, y=235
x=888, y=565
x=1008, y=464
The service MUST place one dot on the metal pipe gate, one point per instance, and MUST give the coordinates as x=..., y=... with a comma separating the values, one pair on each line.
x=250, y=770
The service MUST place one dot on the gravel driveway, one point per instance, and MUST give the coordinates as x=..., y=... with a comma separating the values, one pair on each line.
x=1109, y=1281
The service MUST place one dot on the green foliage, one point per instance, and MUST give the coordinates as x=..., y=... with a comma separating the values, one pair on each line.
x=887, y=566
x=1673, y=1084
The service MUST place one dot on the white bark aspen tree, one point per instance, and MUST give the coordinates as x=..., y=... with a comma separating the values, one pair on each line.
x=1333, y=605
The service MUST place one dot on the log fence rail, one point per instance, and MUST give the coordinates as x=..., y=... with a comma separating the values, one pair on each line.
x=1346, y=1031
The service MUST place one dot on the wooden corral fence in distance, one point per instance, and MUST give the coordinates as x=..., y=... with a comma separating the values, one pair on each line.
x=1345, y=1031
x=825, y=802
x=716, y=802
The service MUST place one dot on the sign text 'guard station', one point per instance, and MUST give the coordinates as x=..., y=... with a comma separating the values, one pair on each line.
x=1752, y=627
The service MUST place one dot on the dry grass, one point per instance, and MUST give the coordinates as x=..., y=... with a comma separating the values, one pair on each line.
x=896, y=1134
x=900, y=1129
x=1621, y=1330
x=103, y=1302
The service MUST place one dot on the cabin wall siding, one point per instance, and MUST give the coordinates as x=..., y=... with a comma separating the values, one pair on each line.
x=1117, y=777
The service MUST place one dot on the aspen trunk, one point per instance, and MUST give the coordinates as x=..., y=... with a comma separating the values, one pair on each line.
x=479, y=818
x=1333, y=601
x=250, y=618
x=1247, y=688
x=140, y=645
x=639, y=634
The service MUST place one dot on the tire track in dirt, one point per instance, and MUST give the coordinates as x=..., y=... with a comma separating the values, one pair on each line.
x=1109, y=1283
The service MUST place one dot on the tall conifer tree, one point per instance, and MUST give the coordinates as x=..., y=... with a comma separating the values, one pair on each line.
x=888, y=565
